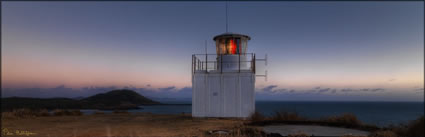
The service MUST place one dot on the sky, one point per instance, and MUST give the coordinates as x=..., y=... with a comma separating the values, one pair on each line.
x=369, y=51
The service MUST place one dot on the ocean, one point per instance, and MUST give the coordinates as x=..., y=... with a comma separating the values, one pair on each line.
x=377, y=113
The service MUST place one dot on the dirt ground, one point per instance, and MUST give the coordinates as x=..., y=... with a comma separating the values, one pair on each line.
x=313, y=130
x=117, y=125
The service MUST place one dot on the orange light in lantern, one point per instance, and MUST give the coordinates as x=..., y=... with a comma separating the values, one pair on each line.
x=232, y=46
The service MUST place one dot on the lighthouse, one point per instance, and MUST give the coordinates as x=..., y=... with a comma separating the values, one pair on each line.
x=223, y=83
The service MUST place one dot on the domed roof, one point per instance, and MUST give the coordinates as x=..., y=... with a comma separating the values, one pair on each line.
x=228, y=34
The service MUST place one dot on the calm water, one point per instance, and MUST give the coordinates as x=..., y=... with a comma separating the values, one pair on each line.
x=379, y=113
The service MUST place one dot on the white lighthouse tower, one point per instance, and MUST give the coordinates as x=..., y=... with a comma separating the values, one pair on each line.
x=223, y=83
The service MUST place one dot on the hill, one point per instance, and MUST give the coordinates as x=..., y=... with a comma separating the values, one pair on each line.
x=116, y=99
x=112, y=100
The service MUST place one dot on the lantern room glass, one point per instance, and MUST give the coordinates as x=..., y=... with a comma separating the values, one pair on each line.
x=231, y=45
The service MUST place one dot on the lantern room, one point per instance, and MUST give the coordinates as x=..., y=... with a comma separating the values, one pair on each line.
x=231, y=43
x=223, y=84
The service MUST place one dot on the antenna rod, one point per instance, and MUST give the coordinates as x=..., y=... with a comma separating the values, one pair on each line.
x=226, y=17
x=206, y=57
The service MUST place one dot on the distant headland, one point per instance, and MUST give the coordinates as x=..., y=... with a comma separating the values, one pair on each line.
x=113, y=100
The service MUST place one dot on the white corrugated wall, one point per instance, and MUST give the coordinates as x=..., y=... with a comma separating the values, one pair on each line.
x=223, y=94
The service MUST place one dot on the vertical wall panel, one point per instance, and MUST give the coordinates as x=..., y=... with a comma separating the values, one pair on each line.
x=247, y=95
x=230, y=87
x=215, y=95
x=223, y=94
x=199, y=88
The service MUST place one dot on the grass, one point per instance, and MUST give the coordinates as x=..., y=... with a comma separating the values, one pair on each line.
x=62, y=112
x=298, y=135
x=25, y=113
x=347, y=118
x=287, y=116
x=352, y=136
x=98, y=113
x=383, y=133
x=239, y=131
x=414, y=128
x=120, y=112
x=344, y=120
x=257, y=117
x=29, y=113
x=134, y=125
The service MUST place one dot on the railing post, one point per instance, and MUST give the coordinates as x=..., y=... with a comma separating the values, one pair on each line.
x=192, y=65
x=254, y=64
x=221, y=63
x=239, y=62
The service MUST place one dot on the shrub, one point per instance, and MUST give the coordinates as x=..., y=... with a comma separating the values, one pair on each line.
x=298, y=135
x=257, y=117
x=59, y=112
x=352, y=136
x=23, y=112
x=7, y=114
x=43, y=113
x=237, y=131
x=381, y=133
x=287, y=116
x=416, y=128
x=348, y=119
x=76, y=112
x=248, y=132
x=120, y=112
x=98, y=113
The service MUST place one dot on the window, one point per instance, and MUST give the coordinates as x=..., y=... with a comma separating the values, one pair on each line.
x=229, y=46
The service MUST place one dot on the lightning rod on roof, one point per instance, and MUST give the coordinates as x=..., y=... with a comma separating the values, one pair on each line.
x=226, y=18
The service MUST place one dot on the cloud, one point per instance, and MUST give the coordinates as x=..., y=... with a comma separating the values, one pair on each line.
x=324, y=90
x=346, y=90
x=363, y=90
x=171, y=88
x=274, y=90
x=377, y=89
x=419, y=89
x=280, y=90
x=333, y=91
x=391, y=80
x=269, y=88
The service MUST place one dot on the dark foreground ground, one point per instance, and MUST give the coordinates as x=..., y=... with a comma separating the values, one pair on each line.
x=122, y=125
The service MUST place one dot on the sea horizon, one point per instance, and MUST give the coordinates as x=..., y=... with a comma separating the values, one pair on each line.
x=376, y=113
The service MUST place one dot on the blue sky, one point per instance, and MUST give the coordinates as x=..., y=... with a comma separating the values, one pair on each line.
x=331, y=45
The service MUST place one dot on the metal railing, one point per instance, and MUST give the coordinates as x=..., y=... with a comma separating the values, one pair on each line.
x=206, y=63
